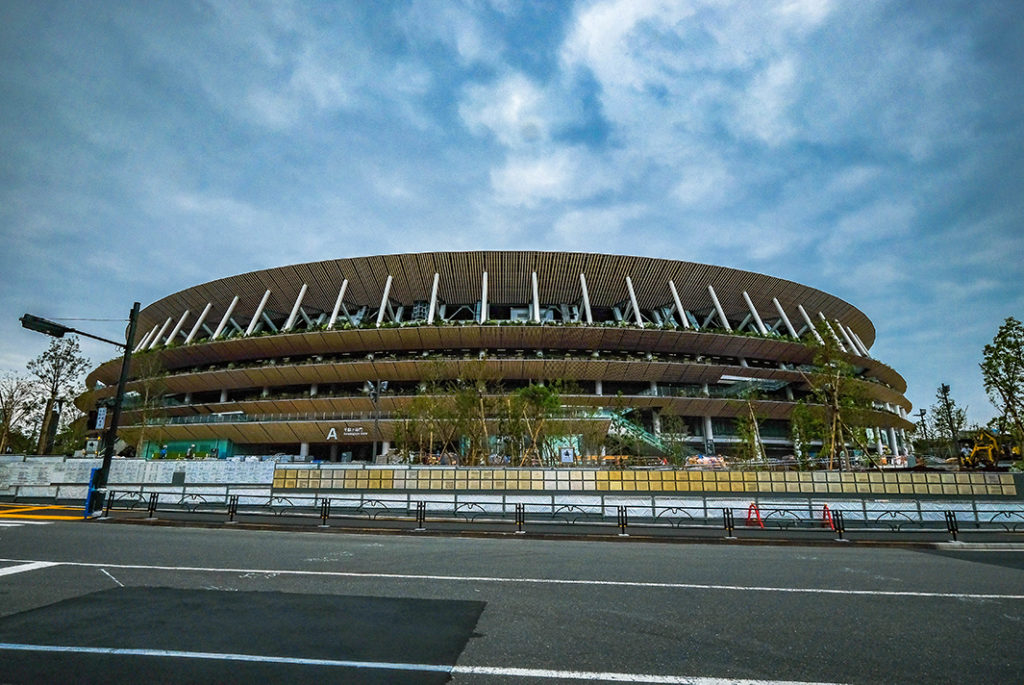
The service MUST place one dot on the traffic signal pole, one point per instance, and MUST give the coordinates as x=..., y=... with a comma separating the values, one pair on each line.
x=99, y=491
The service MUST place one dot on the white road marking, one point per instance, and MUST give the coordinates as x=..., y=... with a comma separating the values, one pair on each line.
x=590, y=676
x=7, y=522
x=107, y=574
x=270, y=573
x=30, y=566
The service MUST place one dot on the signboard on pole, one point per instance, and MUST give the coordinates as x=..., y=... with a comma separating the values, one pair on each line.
x=101, y=418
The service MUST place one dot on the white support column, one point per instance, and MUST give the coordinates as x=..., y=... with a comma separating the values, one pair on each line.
x=598, y=387
x=586, y=299
x=227, y=317
x=176, y=329
x=145, y=339
x=536, y=297
x=337, y=304
x=384, y=301
x=832, y=331
x=433, y=300
x=785, y=319
x=852, y=346
x=679, y=305
x=483, y=298
x=810, y=324
x=718, y=308
x=632, y=300
x=163, y=329
x=878, y=441
x=295, y=309
x=709, y=434
x=223, y=395
x=304, y=450
x=893, y=446
x=857, y=342
x=757, y=317
x=199, y=322
x=313, y=388
x=256, y=316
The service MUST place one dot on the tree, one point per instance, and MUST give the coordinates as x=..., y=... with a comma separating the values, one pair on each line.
x=15, y=405
x=150, y=387
x=949, y=418
x=70, y=432
x=1002, y=369
x=57, y=370
x=805, y=427
x=748, y=430
x=842, y=404
x=674, y=433
x=535, y=405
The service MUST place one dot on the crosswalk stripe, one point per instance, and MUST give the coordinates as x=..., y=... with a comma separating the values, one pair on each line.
x=10, y=523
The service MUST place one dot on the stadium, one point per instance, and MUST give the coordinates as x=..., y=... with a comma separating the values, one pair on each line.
x=352, y=359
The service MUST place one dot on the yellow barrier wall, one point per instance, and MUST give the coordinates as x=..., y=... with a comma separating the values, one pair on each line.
x=568, y=480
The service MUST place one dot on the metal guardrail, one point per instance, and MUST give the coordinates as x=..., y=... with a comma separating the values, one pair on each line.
x=670, y=519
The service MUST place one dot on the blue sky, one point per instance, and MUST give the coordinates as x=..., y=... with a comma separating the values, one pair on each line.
x=869, y=149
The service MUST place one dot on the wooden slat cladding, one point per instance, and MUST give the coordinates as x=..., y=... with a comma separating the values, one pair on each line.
x=509, y=275
x=491, y=337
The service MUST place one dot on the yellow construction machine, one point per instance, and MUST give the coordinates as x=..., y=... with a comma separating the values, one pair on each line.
x=985, y=452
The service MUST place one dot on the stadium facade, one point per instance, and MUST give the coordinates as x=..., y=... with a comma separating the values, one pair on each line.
x=323, y=359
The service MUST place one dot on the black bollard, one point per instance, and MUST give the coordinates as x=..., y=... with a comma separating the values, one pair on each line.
x=421, y=515
x=325, y=511
x=952, y=525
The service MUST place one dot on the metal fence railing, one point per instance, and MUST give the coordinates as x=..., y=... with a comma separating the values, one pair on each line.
x=585, y=516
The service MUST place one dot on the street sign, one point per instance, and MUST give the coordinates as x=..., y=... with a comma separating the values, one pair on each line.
x=101, y=418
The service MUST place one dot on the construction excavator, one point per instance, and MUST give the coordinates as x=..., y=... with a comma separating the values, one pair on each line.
x=984, y=453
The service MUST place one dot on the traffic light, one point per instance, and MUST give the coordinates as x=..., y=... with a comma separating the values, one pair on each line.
x=34, y=323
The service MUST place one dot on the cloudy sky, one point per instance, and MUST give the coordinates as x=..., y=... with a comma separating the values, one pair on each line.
x=869, y=149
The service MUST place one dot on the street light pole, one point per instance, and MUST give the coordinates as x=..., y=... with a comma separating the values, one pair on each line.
x=99, y=483
x=99, y=491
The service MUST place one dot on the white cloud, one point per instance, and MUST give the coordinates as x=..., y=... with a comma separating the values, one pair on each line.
x=704, y=185
x=803, y=13
x=455, y=26
x=567, y=173
x=865, y=229
x=762, y=112
x=582, y=229
x=510, y=109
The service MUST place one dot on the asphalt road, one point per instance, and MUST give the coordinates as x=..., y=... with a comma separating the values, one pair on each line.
x=100, y=602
